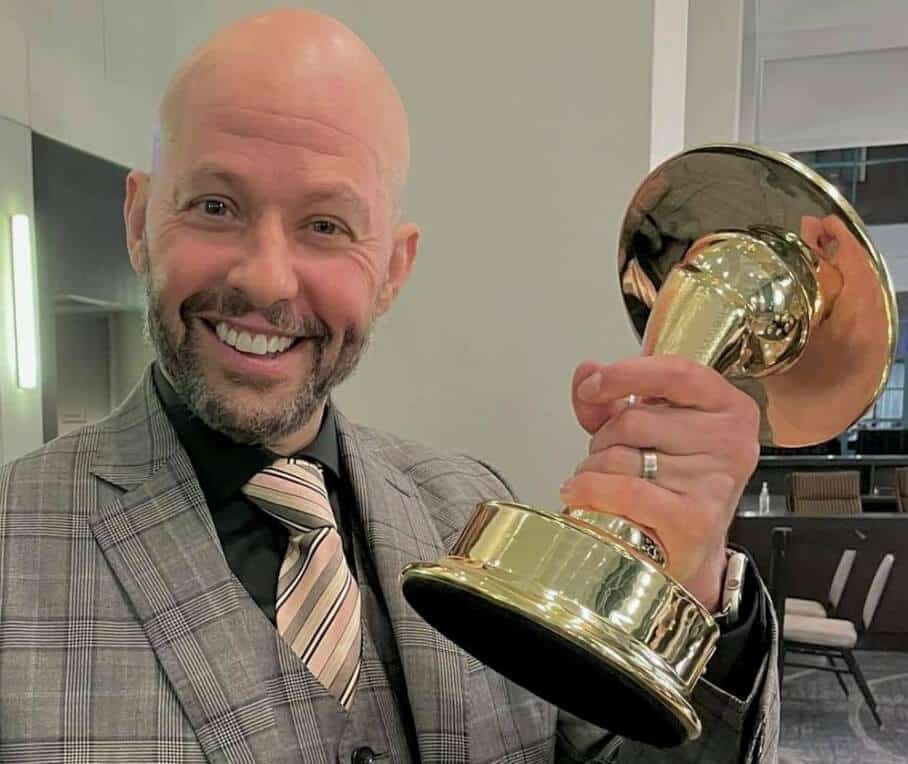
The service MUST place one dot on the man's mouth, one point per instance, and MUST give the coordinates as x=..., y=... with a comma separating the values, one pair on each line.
x=251, y=343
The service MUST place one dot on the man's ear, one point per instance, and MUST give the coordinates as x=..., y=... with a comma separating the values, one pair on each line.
x=403, y=253
x=134, y=208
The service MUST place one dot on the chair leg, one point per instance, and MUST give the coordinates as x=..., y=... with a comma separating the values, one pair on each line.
x=781, y=662
x=838, y=676
x=862, y=685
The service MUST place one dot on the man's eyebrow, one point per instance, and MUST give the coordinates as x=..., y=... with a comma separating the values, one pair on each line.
x=326, y=193
x=334, y=193
x=210, y=172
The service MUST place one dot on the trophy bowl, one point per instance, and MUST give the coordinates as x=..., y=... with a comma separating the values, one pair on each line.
x=742, y=259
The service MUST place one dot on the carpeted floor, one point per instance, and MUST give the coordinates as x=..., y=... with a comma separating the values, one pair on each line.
x=819, y=724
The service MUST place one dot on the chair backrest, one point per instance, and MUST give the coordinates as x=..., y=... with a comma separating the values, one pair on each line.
x=840, y=579
x=877, y=587
x=901, y=488
x=824, y=493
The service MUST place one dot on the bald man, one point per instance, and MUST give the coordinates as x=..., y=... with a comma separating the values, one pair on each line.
x=211, y=573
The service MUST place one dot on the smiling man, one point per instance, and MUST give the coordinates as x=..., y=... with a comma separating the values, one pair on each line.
x=211, y=573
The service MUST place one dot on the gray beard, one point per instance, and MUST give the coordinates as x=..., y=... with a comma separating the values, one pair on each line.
x=261, y=426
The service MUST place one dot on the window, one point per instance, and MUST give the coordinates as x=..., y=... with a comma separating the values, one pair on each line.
x=874, y=179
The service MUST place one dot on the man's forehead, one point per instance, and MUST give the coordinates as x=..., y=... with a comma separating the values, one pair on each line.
x=290, y=79
x=286, y=102
x=259, y=131
x=311, y=189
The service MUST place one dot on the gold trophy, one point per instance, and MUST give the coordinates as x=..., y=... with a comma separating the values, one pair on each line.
x=746, y=261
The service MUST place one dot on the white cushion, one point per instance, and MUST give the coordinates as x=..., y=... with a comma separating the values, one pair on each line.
x=829, y=632
x=795, y=606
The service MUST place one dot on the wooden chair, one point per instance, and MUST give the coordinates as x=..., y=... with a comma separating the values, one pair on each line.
x=830, y=638
x=824, y=493
x=816, y=609
x=797, y=606
x=901, y=488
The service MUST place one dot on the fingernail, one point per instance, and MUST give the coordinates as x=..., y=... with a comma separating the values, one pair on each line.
x=589, y=388
x=566, y=486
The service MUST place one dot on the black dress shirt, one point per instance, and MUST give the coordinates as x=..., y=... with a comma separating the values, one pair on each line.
x=254, y=543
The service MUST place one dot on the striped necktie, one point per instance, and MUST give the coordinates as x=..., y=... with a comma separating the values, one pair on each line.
x=318, y=601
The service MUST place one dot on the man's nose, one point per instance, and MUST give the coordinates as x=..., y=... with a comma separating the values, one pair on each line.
x=266, y=273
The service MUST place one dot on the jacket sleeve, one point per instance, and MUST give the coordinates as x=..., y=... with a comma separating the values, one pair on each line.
x=738, y=726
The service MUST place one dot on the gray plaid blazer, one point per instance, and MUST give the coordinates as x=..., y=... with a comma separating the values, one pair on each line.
x=124, y=636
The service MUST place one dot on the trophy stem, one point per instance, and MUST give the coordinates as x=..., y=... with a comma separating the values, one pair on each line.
x=697, y=317
x=741, y=302
x=622, y=529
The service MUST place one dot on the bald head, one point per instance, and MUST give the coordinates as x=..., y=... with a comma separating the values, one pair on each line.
x=302, y=67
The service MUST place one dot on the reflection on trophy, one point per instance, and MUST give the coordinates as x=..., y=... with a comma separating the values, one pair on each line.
x=746, y=261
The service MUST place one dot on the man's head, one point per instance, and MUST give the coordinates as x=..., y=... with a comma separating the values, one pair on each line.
x=268, y=232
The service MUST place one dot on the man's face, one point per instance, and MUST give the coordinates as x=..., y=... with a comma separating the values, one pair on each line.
x=268, y=247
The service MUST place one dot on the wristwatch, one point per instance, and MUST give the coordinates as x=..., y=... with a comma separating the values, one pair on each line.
x=732, y=590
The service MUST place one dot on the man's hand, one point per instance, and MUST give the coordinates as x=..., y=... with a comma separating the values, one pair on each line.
x=705, y=434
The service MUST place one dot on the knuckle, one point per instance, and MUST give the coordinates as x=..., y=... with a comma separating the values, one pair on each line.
x=624, y=459
x=630, y=425
x=751, y=457
x=583, y=484
x=688, y=372
x=635, y=492
x=752, y=415
x=744, y=453
x=724, y=486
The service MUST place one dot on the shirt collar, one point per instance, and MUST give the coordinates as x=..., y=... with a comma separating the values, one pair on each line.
x=222, y=465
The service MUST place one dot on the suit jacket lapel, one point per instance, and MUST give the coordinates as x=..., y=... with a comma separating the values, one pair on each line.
x=159, y=540
x=399, y=531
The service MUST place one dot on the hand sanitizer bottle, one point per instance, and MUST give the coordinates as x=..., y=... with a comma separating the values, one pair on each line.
x=764, y=499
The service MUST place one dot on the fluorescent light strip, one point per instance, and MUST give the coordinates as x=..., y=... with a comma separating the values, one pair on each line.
x=24, y=303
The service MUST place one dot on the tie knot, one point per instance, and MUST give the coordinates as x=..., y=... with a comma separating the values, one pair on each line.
x=293, y=491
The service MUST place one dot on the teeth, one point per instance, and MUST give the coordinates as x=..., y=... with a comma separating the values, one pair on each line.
x=260, y=344
x=244, y=342
x=257, y=344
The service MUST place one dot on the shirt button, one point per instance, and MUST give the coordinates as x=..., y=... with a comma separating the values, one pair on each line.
x=364, y=755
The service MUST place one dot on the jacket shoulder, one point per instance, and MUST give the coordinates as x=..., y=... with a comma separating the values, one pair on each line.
x=49, y=469
x=450, y=484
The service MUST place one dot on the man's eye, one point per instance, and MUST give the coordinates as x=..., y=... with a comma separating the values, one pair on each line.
x=214, y=207
x=325, y=227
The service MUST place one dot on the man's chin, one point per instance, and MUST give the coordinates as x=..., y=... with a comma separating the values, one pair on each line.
x=252, y=397
x=251, y=422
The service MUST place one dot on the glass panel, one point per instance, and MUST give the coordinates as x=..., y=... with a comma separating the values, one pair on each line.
x=874, y=179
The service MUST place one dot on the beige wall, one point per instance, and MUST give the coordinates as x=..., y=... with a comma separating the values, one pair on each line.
x=715, y=31
x=526, y=152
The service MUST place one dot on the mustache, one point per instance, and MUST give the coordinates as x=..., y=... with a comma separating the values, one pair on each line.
x=234, y=304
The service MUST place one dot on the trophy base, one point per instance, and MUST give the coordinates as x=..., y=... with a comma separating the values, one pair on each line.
x=615, y=641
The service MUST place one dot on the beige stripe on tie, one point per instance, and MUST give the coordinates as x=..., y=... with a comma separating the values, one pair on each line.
x=318, y=601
